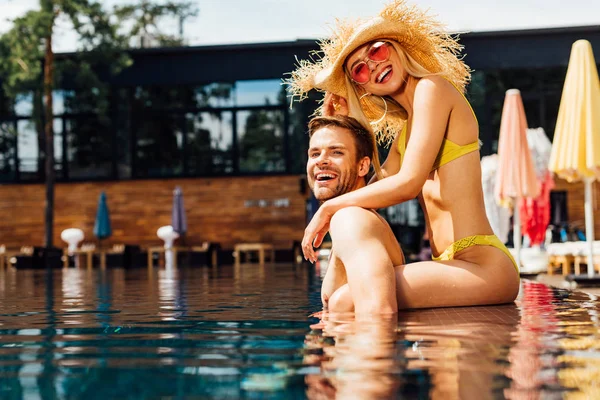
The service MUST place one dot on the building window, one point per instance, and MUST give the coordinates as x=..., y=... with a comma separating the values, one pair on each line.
x=158, y=145
x=216, y=95
x=122, y=125
x=89, y=147
x=260, y=140
x=28, y=150
x=59, y=166
x=24, y=104
x=221, y=128
x=8, y=134
x=209, y=147
x=259, y=93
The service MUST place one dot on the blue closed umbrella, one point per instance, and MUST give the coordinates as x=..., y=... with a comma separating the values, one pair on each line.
x=102, y=229
x=178, y=218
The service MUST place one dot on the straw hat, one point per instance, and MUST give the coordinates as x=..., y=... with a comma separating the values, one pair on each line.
x=421, y=36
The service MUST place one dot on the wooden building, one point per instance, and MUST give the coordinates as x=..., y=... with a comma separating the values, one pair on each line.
x=215, y=120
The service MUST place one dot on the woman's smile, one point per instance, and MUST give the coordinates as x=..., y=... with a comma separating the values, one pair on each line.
x=385, y=75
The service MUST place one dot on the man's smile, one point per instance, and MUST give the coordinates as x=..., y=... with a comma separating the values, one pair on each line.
x=325, y=178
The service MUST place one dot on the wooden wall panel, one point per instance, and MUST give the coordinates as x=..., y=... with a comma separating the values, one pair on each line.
x=217, y=210
x=575, y=203
x=223, y=210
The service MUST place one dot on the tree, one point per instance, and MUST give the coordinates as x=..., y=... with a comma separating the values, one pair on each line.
x=143, y=21
x=27, y=62
x=21, y=69
x=96, y=32
x=29, y=41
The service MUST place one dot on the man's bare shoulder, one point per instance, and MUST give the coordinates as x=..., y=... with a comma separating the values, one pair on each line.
x=355, y=229
x=357, y=220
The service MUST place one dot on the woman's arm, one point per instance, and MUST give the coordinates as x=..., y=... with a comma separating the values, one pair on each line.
x=391, y=165
x=431, y=112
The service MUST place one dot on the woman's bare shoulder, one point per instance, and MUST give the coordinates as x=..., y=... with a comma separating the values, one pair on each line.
x=434, y=84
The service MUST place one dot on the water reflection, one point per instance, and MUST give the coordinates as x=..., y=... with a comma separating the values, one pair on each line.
x=357, y=359
x=245, y=331
x=439, y=354
x=514, y=351
x=530, y=359
x=149, y=333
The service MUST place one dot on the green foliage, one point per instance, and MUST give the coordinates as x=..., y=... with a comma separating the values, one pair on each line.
x=141, y=21
x=100, y=53
x=21, y=52
x=7, y=149
x=101, y=44
x=217, y=93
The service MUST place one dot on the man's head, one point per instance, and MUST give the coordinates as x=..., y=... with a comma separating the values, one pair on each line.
x=339, y=156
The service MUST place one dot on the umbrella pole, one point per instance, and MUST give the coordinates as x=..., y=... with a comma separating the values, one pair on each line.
x=517, y=231
x=589, y=225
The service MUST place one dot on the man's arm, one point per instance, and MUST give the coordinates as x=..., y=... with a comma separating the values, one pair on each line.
x=358, y=238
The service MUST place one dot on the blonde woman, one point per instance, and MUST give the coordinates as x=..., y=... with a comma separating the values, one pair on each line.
x=400, y=74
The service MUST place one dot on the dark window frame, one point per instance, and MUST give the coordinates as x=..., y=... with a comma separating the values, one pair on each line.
x=65, y=175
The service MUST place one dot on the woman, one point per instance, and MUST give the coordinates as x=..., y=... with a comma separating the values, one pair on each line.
x=401, y=74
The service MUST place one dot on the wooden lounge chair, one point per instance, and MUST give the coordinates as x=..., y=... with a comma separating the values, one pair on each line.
x=86, y=249
x=260, y=248
x=103, y=252
x=211, y=249
x=7, y=255
x=562, y=262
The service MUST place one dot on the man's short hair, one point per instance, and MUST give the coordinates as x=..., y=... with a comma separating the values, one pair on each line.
x=363, y=138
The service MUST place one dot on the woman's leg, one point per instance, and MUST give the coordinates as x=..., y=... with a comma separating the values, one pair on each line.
x=455, y=283
x=448, y=283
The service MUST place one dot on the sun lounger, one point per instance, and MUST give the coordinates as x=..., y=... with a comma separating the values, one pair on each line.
x=260, y=248
x=205, y=247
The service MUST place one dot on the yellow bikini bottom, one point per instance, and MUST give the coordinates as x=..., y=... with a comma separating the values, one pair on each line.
x=475, y=240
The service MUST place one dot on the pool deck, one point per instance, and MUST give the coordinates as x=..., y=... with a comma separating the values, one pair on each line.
x=560, y=282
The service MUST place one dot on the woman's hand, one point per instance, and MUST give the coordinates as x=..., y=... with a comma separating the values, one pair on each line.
x=334, y=105
x=315, y=232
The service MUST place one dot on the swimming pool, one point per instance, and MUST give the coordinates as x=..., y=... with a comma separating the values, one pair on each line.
x=246, y=332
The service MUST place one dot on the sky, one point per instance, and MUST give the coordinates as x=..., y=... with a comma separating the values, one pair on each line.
x=258, y=21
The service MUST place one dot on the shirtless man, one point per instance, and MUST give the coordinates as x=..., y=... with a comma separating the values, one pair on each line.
x=364, y=248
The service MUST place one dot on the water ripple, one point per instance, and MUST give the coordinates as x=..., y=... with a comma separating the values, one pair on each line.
x=248, y=332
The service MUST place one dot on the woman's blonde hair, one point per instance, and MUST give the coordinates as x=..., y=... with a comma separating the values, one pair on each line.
x=422, y=43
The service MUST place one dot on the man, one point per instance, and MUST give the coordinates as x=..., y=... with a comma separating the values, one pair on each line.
x=360, y=276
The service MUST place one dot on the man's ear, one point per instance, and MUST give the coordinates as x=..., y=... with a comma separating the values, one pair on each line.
x=364, y=166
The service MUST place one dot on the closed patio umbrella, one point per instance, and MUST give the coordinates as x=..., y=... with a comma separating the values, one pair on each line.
x=102, y=229
x=178, y=217
x=575, y=152
x=515, y=177
x=535, y=212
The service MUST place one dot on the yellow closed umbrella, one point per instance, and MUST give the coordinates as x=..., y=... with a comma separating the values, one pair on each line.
x=575, y=151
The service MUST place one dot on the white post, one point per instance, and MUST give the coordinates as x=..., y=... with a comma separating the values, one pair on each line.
x=169, y=253
x=169, y=259
x=517, y=231
x=589, y=225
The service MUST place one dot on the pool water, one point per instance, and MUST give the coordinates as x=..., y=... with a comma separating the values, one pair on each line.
x=248, y=332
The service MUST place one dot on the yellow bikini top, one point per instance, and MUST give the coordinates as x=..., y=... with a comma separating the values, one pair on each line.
x=449, y=150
